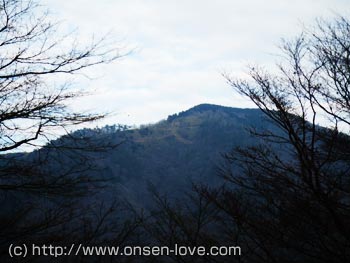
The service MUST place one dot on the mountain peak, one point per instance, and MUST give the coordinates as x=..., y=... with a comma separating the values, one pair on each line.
x=206, y=107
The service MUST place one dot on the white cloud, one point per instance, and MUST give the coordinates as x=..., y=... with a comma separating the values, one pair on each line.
x=181, y=47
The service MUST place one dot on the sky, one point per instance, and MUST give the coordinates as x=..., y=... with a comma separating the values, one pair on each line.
x=178, y=49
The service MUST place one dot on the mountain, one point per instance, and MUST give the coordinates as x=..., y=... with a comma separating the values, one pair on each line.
x=185, y=148
x=50, y=186
x=169, y=156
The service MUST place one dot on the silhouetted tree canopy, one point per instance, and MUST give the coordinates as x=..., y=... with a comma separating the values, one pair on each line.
x=291, y=201
x=32, y=50
x=285, y=197
x=42, y=192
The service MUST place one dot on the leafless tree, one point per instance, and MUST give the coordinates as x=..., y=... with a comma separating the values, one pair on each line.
x=286, y=197
x=289, y=195
x=42, y=191
x=31, y=51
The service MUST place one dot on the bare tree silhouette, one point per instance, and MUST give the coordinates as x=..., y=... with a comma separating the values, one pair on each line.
x=48, y=195
x=286, y=197
x=289, y=195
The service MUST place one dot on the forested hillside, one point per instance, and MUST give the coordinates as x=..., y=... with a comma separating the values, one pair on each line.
x=173, y=154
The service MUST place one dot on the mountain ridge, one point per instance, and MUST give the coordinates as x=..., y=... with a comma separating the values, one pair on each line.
x=171, y=155
x=183, y=149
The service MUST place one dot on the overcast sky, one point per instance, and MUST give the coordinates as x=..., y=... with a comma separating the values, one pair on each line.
x=181, y=47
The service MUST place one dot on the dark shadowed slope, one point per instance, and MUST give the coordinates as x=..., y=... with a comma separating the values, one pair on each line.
x=179, y=151
x=170, y=155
